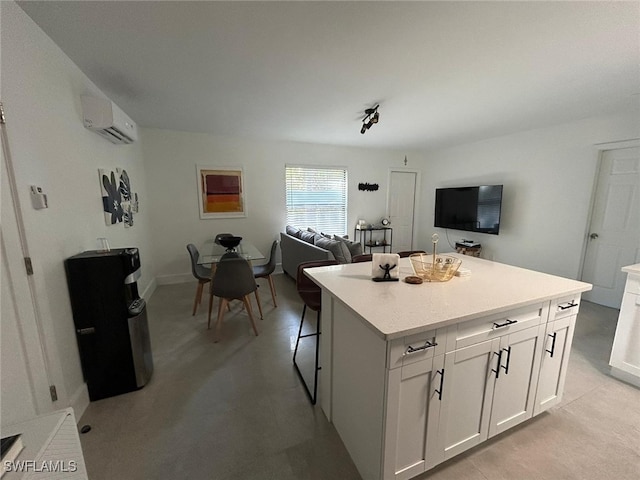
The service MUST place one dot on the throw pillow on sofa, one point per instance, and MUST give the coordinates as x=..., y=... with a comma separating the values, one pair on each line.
x=355, y=248
x=293, y=231
x=307, y=236
x=338, y=249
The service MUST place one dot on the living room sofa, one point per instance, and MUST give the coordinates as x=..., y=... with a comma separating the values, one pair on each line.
x=306, y=245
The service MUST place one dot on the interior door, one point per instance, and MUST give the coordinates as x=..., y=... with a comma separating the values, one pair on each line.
x=401, y=208
x=25, y=369
x=614, y=234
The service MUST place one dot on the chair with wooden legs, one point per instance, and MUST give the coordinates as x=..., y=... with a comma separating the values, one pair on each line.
x=408, y=253
x=201, y=272
x=265, y=271
x=233, y=280
x=311, y=295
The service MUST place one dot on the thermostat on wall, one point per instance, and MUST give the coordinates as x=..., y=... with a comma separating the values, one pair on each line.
x=38, y=198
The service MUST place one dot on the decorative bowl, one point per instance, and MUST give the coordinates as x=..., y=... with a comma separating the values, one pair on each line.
x=230, y=242
x=442, y=270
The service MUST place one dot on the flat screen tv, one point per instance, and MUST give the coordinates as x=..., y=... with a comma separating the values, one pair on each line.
x=472, y=209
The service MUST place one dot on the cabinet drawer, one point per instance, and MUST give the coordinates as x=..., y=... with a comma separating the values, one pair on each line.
x=633, y=285
x=414, y=348
x=564, y=307
x=487, y=328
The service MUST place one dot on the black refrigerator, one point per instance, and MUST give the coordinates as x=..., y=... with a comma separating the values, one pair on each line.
x=110, y=321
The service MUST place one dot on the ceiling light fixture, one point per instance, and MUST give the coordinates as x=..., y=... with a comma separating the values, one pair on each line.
x=371, y=116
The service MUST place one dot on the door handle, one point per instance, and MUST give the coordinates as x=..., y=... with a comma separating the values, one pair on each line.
x=497, y=369
x=593, y=236
x=439, y=391
x=506, y=368
x=553, y=344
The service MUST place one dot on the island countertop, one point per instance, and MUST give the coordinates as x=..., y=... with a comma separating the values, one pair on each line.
x=397, y=309
x=632, y=269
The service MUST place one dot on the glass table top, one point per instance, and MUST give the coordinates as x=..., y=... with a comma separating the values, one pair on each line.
x=211, y=252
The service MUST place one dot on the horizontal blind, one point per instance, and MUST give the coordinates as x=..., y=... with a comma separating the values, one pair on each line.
x=317, y=197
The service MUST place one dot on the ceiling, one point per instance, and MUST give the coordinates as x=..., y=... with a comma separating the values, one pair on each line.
x=444, y=73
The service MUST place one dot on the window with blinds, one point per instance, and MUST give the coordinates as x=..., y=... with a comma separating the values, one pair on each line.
x=317, y=197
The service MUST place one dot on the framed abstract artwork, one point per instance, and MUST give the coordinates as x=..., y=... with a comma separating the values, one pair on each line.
x=119, y=203
x=221, y=192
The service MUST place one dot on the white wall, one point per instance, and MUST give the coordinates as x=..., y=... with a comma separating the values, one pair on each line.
x=50, y=148
x=171, y=158
x=548, y=176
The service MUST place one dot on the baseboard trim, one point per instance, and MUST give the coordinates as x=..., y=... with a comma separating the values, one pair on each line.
x=146, y=294
x=625, y=376
x=79, y=401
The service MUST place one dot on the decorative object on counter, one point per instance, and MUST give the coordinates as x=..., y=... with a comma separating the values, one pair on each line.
x=434, y=268
x=368, y=187
x=384, y=267
x=385, y=222
x=371, y=116
x=463, y=272
x=412, y=279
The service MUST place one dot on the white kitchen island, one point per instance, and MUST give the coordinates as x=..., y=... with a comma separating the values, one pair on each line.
x=625, y=353
x=413, y=375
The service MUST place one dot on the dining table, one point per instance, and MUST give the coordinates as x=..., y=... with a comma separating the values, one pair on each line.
x=211, y=252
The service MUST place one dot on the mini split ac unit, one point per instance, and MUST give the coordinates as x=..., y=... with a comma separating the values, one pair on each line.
x=105, y=118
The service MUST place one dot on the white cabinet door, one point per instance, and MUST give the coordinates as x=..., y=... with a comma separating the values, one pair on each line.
x=413, y=408
x=625, y=354
x=469, y=378
x=556, y=347
x=515, y=388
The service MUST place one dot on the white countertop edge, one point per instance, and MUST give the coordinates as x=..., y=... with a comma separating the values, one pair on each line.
x=452, y=321
x=632, y=269
x=503, y=305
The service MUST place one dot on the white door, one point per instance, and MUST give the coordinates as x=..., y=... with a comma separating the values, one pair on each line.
x=614, y=234
x=401, y=208
x=25, y=373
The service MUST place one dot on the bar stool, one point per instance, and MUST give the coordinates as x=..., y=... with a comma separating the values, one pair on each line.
x=408, y=253
x=311, y=295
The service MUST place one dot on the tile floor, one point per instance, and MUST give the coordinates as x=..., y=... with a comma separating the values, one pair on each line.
x=237, y=410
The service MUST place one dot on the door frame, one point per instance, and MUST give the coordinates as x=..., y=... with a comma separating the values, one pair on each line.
x=416, y=196
x=600, y=148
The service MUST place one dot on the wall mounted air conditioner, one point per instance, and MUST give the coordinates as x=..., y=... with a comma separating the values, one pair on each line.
x=105, y=118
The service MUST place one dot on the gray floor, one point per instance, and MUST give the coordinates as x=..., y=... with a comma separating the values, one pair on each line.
x=237, y=410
